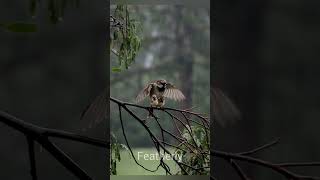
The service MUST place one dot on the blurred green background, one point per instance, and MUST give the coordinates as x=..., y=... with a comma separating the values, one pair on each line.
x=127, y=166
x=175, y=47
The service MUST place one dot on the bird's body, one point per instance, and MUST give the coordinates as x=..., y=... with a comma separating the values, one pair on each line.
x=159, y=90
x=156, y=90
x=157, y=101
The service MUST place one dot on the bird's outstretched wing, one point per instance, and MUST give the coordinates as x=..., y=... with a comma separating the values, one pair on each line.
x=172, y=92
x=144, y=92
x=97, y=110
x=223, y=108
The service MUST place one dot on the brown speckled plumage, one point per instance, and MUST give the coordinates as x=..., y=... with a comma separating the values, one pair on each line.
x=162, y=89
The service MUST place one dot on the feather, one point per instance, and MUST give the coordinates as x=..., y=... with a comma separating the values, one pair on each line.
x=96, y=111
x=223, y=108
x=144, y=92
x=172, y=92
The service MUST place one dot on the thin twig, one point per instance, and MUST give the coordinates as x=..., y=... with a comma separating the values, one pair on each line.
x=239, y=170
x=33, y=170
x=284, y=172
x=128, y=145
x=263, y=147
x=299, y=164
x=114, y=52
x=156, y=141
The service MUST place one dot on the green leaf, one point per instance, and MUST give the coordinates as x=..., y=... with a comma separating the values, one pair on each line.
x=117, y=153
x=113, y=167
x=115, y=35
x=116, y=69
x=20, y=27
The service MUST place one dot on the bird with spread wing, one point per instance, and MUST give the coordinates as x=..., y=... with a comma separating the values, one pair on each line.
x=224, y=109
x=157, y=91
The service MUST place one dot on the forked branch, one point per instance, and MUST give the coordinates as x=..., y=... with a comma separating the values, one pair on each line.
x=42, y=136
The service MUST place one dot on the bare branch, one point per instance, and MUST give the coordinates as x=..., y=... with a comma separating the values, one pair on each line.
x=41, y=135
x=263, y=147
x=33, y=170
x=299, y=164
x=255, y=161
x=238, y=169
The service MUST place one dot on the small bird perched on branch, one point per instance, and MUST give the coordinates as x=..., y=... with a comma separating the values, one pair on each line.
x=224, y=110
x=157, y=91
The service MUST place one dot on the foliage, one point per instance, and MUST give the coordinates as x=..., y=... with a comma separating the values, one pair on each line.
x=196, y=159
x=125, y=42
x=124, y=39
x=115, y=148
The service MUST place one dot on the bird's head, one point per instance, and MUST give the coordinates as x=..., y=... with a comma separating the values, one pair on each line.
x=161, y=83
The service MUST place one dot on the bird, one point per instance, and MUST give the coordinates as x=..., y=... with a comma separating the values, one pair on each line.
x=160, y=88
x=224, y=110
x=157, y=91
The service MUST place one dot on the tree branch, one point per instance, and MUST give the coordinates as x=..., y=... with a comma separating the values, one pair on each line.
x=33, y=170
x=41, y=135
x=239, y=170
x=229, y=157
x=275, y=167
x=263, y=147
